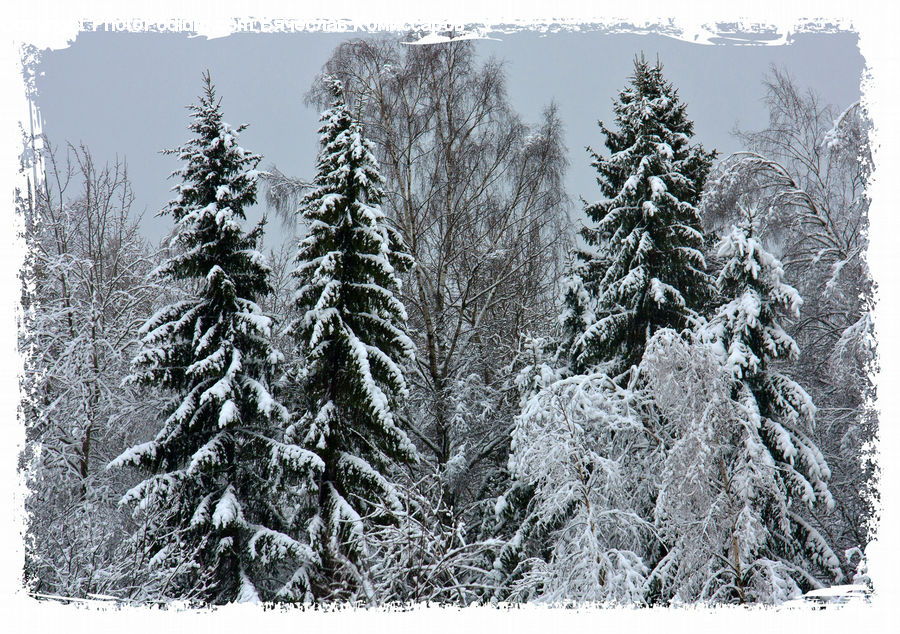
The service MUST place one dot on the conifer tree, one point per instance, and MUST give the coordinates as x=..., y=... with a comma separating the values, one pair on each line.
x=643, y=267
x=213, y=525
x=777, y=468
x=352, y=340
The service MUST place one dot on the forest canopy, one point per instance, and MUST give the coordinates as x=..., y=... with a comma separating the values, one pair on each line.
x=456, y=385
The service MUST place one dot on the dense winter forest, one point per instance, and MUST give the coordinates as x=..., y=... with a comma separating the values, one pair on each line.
x=457, y=385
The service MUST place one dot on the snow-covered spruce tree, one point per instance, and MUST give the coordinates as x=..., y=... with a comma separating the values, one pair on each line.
x=769, y=465
x=213, y=528
x=807, y=173
x=353, y=345
x=643, y=266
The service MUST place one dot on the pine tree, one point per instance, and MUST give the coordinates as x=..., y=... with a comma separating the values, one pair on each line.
x=212, y=520
x=643, y=267
x=776, y=466
x=352, y=341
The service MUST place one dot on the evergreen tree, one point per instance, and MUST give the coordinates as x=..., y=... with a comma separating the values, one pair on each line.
x=352, y=341
x=643, y=267
x=212, y=523
x=777, y=468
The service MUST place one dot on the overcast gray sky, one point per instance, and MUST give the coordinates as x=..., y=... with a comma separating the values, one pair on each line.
x=124, y=93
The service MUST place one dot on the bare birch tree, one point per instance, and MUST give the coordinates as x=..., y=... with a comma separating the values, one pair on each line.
x=85, y=287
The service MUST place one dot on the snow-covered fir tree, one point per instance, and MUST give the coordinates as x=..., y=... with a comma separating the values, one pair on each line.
x=643, y=266
x=213, y=526
x=352, y=342
x=748, y=439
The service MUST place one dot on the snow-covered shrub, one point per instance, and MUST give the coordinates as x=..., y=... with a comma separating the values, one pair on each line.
x=581, y=447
